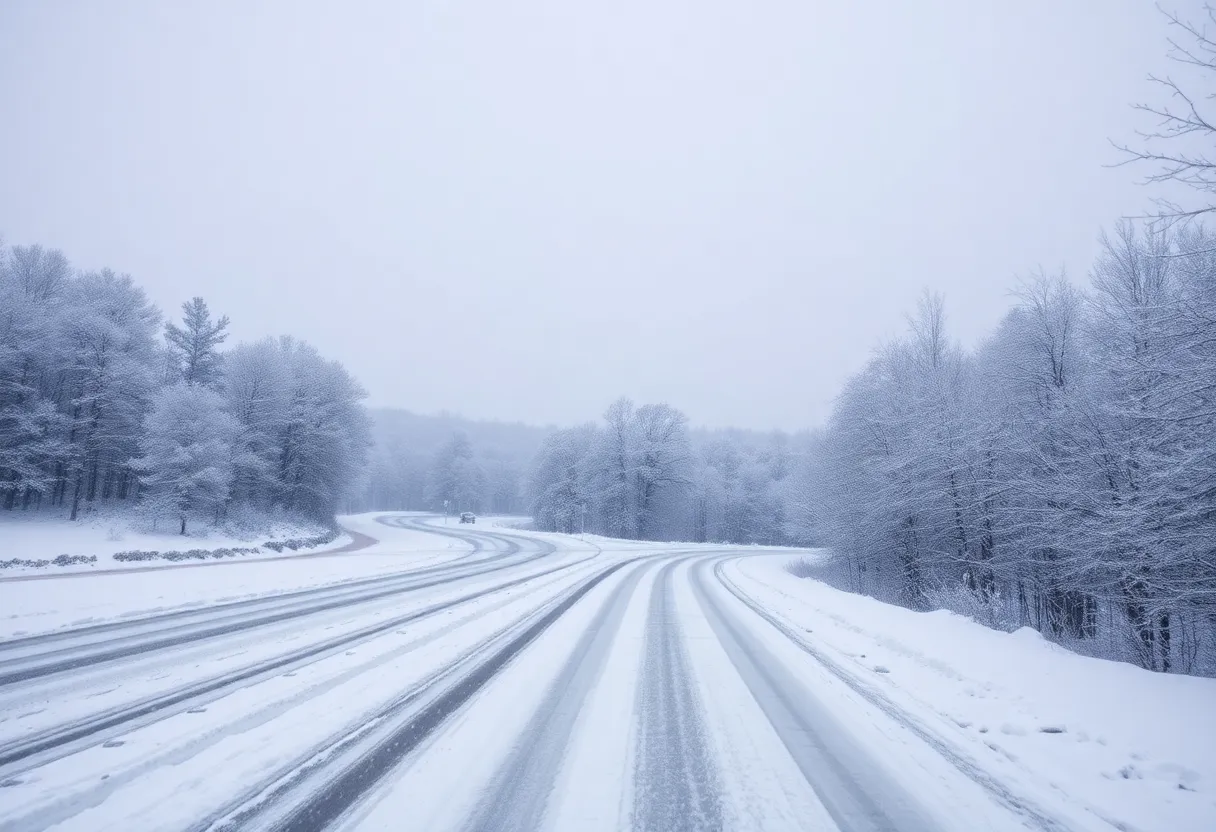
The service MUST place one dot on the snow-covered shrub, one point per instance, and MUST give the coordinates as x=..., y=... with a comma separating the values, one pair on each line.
x=295, y=544
x=40, y=563
x=189, y=554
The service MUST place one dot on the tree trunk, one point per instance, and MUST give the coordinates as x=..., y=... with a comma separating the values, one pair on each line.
x=913, y=584
x=1163, y=638
x=183, y=531
x=76, y=494
x=1143, y=634
x=91, y=494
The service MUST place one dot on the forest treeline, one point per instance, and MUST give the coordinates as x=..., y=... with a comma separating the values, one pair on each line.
x=101, y=401
x=1061, y=475
x=641, y=473
x=645, y=473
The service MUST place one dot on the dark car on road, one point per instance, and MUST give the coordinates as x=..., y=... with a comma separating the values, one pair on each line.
x=468, y=517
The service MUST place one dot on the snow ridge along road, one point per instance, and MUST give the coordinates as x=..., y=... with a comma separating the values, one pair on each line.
x=527, y=681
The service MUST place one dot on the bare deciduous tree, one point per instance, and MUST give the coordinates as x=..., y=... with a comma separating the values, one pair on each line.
x=1180, y=147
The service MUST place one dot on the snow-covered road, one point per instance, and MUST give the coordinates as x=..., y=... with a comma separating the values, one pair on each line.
x=512, y=681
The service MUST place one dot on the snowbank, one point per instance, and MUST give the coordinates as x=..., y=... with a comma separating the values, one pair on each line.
x=45, y=543
x=1134, y=747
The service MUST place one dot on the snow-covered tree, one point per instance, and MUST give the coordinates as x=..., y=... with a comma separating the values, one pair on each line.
x=322, y=436
x=559, y=481
x=80, y=364
x=661, y=462
x=109, y=339
x=186, y=459
x=1062, y=475
x=194, y=346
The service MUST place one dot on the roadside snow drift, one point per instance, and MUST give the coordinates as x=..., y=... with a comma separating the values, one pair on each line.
x=1137, y=748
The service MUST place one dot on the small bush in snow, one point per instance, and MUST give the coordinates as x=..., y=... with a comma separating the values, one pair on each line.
x=61, y=560
x=225, y=552
x=302, y=542
x=190, y=554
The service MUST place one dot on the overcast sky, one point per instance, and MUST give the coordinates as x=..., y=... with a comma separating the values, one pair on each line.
x=522, y=210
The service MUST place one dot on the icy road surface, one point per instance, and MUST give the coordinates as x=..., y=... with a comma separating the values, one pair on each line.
x=457, y=678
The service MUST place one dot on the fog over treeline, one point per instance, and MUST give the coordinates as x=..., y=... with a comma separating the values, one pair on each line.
x=725, y=485
x=1060, y=475
x=1063, y=465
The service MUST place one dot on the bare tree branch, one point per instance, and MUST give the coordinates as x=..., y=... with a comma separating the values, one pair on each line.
x=1170, y=148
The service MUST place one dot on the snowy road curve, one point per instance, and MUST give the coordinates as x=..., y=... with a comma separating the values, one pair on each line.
x=511, y=681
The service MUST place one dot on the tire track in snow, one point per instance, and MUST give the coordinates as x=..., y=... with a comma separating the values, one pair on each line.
x=518, y=796
x=64, y=739
x=1034, y=815
x=110, y=642
x=676, y=786
x=856, y=791
x=185, y=748
x=395, y=737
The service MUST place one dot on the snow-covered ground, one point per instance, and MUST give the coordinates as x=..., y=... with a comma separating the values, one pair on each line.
x=44, y=536
x=484, y=678
x=52, y=600
x=1130, y=745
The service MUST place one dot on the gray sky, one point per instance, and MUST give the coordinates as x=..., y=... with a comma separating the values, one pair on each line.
x=521, y=210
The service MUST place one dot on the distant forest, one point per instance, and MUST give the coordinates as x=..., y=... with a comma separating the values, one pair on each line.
x=419, y=461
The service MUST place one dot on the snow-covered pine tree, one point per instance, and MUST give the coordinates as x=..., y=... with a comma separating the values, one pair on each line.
x=195, y=344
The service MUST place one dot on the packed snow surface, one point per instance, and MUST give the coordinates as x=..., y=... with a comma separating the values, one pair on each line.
x=485, y=678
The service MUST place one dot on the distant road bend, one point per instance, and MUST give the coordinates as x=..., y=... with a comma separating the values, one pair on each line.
x=529, y=682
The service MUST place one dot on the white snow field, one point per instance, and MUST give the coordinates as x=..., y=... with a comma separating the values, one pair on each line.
x=487, y=678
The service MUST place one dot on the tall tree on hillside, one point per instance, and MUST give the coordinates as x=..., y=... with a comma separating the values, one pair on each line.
x=195, y=344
